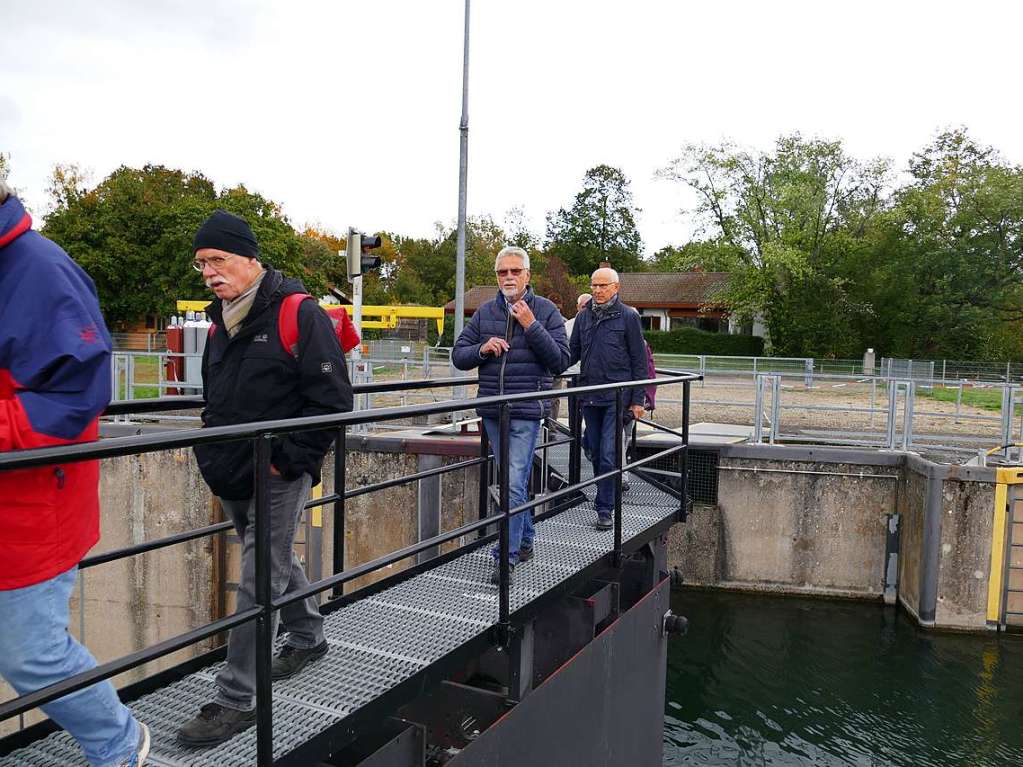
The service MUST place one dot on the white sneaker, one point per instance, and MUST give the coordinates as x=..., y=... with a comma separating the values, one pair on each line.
x=138, y=759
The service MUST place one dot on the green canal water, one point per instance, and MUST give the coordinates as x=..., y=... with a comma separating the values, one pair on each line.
x=785, y=682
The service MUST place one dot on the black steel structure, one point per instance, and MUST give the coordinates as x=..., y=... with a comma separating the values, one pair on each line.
x=459, y=647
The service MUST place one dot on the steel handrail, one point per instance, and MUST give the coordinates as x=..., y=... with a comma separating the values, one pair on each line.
x=149, y=443
x=261, y=434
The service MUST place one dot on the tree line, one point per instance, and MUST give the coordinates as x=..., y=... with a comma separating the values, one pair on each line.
x=833, y=252
x=839, y=254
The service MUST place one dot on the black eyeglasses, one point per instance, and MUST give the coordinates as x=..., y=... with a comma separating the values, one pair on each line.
x=601, y=285
x=215, y=261
x=506, y=272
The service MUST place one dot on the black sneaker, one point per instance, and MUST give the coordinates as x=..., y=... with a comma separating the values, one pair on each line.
x=525, y=553
x=495, y=574
x=291, y=660
x=605, y=521
x=214, y=725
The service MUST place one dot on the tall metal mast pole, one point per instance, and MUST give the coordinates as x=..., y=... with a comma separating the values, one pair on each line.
x=463, y=170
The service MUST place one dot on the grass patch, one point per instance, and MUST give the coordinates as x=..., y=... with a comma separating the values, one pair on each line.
x=985, y=399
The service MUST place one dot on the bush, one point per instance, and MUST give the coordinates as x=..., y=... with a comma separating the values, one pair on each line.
x=693, y=341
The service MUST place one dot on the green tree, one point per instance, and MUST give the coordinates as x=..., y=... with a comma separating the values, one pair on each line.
x=788, y=227
x=133, y=234
x=950, y=254
x=599, y=226
x=425, y=270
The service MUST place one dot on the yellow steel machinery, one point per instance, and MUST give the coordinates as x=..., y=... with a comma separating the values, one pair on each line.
x=387, y=316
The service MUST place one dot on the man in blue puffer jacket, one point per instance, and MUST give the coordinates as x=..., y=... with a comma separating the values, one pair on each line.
x=518, y=342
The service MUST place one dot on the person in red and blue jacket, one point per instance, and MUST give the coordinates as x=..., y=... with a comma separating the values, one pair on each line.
x=54, y=383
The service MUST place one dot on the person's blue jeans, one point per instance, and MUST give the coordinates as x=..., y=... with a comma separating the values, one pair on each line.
x=522, y=438
x=600, y=439
x=36, y=650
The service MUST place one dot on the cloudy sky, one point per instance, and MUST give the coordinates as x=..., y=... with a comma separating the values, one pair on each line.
x=347, y=113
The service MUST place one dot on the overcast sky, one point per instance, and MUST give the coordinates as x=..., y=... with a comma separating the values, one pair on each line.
x=347, y=113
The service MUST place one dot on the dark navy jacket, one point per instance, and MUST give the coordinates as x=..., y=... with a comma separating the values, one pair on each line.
x=535, y=356
x=609, y=350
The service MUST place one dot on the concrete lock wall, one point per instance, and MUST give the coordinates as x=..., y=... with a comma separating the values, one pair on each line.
x=947, y=516
x=791, y=522
x=846, y=523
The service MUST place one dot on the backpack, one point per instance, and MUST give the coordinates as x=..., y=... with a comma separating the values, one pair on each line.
x=287, y=322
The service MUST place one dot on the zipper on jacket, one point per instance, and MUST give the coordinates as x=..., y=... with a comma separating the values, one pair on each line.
x=509, y=331
x=59, y=474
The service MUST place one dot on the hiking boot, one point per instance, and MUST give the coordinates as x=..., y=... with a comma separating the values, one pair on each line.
x=138, y=759
x=604, y=520
x=215, y=724
x=291, y=660
x=525, y=553
x=495, y=574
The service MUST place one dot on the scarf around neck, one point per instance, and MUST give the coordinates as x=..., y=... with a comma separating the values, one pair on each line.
x=603, y=309
x=237, y=309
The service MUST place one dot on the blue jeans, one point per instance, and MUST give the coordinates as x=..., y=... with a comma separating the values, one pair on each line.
x=522, y=438
x=36, y=650
x=600, y=439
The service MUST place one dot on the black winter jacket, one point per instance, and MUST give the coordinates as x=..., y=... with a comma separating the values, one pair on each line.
x=609, y=350
x=251, y=377
x=535, y=356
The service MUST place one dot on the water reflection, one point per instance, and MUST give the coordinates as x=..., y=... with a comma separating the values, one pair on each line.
x=769, y=682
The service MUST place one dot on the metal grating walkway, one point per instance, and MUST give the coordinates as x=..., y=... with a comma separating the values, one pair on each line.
x=377, y=642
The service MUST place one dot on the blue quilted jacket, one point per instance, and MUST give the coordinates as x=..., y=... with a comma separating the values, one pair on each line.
x=537, y=353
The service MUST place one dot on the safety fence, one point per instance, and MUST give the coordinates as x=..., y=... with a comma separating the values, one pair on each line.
x=260, y=435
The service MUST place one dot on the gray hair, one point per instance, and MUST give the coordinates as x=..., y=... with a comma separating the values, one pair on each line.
x=5, y=191
x=583, y=298
x=611, y=272
x=512, y=250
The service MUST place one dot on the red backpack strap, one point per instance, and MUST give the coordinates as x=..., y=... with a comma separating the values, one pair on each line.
x=287, y=321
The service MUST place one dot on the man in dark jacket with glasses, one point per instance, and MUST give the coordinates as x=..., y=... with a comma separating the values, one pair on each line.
x=249, y=375
x=607, y=341
x=518, y=342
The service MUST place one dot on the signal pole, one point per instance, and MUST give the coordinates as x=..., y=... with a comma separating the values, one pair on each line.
x=463, y=172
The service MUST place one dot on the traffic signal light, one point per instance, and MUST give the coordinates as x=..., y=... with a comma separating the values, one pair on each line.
x=359, y=261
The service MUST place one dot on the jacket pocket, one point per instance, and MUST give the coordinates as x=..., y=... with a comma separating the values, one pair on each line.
x=617, y=350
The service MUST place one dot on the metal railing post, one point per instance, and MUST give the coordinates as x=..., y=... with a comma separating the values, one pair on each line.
x=683, y=511
x=775, y=407
x=338, y=554
x=575, y=426
x=504, y=566
x=907, y=424
x=619, y=426
x=893, y=395
x=758, y=411
x=484, y=479
x=264, y=623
